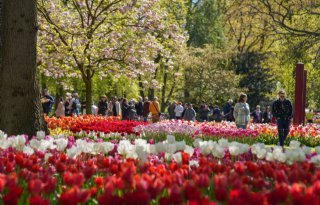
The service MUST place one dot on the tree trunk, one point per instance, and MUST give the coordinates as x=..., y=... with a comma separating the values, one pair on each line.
x=20, y=107
x=141, y=88
x=163, y=91
x=88, y=83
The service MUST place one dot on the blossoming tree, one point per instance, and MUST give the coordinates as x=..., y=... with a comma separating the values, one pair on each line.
x=83, y=38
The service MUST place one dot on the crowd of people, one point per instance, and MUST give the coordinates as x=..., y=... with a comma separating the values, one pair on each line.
x=281, y=111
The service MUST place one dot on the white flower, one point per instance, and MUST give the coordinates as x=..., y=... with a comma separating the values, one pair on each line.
x=170, y=148
x=317, y=149
x=223, y=143
x=205, y=148
x=41, y=135
x=61, y=144
x=140, y=142
x=46, y=157
x=279, y=155
x=73, y=152
x=193, y=163
x=168, y=156
x=3, y=135
x=27, y=150
x=188, y=149
x=294, y=144
x=307, y=150
x=177, y=157
x=151, y=149
x=160, y=147
x=34, y=143
x=234, y=150
x=315, y=160
x=218, y=151
x=261, y=154
x=269, y=156
x=196, y=142
x=125, y=147
x=181, y=145
x=142, y=155
x=171, y=139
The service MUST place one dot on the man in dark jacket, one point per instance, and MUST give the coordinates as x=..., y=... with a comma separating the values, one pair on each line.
x=146, y=110
x=282, y=111
x=171, y=109
x=139, y=108
x=103, y=106
x=47, y=102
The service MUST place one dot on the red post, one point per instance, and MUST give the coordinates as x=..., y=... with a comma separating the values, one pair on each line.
x=299, y=95
x=304, y=95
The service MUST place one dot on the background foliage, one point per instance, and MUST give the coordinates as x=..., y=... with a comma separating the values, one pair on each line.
x=188, y=50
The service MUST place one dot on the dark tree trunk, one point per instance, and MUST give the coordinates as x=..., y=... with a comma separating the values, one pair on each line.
x=163, y=91
x=20, y=107
x=88, y=83
x=141, y=88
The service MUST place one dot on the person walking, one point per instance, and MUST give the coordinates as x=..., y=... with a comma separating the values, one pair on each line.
x=125, y=109
x=47, y=102
x=241, y=112
x=75, y=104
x=190, y=113
x=228, y=110
x=267, y=116
x=257, y=115
x=154, y=108
x=103, y=106
x=171, y=109
x=216, y=114
x=139, y=108
x=146, y=111
x=204, y=111
x=178, y=111
x=282, y=111
x=67, y=103
x=60, y=111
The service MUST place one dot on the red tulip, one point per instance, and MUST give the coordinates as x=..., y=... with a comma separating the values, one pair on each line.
x=38, y=200
x=35, y=186
x=76, y=179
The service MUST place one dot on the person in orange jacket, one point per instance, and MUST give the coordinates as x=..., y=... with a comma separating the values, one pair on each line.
x=154, y=108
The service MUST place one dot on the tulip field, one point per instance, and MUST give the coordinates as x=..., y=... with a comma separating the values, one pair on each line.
x=96, y=160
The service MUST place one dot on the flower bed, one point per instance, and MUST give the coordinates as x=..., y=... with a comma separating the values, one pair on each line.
x=62, y=170
x=266, y=133
x=93, y=123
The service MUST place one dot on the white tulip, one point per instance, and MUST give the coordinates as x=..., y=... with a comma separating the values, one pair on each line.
x=3, y=135
x=261, y=154
x=196, y=142
x=73, y=152
x=160, y=147
x=46, y=157
x=168, y=156
x=269, y=156
x=317, y=149
x=188, y=149
x=170, y=148
x=223, y=143
x=151, y=149
x=181, y=145
x=171, y=139
x=61, y=144
x=177, y=157
x=234, y=150
x=193, y=163
x=34, y=143
x=218, y=151
x=28, y=150
x=41, y=135
x=307, y=150
x=294, y=144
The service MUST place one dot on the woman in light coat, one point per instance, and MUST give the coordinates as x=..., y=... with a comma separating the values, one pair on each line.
x=241, y=112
